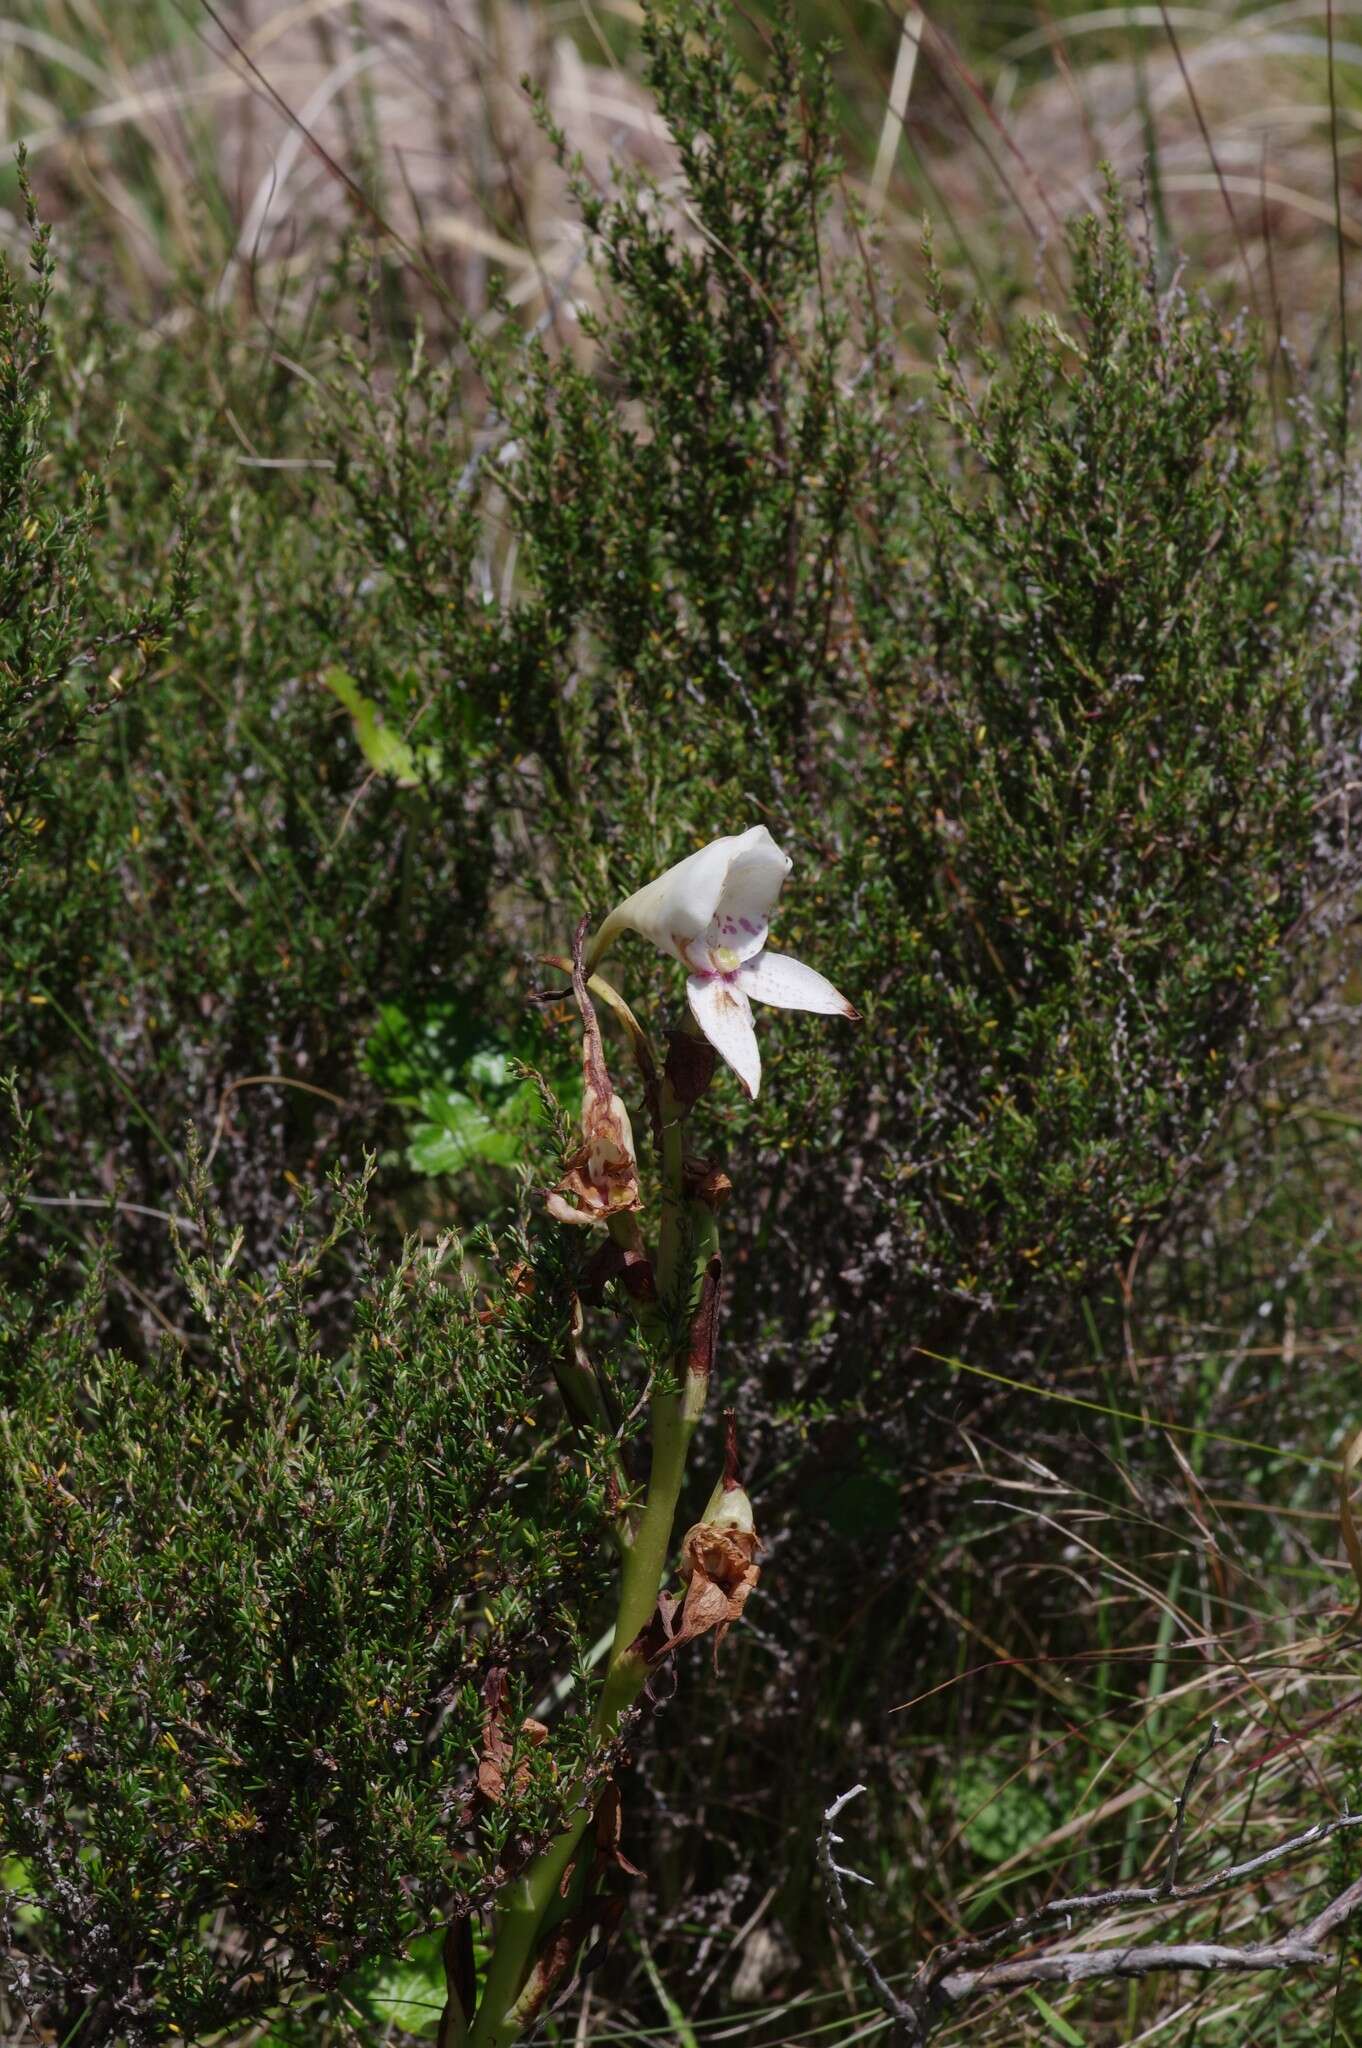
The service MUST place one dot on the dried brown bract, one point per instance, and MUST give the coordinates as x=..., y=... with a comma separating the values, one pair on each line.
x=602, y=1175
x=721, y=1568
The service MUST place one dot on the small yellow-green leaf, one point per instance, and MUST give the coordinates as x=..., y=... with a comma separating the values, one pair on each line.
x=382, y=746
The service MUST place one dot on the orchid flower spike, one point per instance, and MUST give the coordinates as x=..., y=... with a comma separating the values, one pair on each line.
x=711, y=912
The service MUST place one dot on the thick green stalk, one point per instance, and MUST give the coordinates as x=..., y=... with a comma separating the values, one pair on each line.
x=641, y=1579
x=520, y=1909
x=644, y=1567
x=523, y=1905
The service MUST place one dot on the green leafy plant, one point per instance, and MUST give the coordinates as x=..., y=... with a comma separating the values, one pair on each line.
x=69, y=651
x=466, y=1100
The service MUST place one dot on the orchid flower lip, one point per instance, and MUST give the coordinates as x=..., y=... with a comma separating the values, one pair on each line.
x=712, y=912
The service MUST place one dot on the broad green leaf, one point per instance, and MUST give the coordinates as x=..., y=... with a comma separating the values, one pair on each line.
x=465, y=1099
x=454, y=1132
x=1000, y=1815
x=403, y=1992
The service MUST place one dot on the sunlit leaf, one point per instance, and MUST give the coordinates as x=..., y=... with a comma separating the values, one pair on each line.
x=382, y=746
x=406, y=1993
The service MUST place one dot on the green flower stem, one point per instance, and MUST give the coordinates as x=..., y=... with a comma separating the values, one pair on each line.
x=643, y=1569
x=520, y=1908
x=674, y=1412
x=524, y=1904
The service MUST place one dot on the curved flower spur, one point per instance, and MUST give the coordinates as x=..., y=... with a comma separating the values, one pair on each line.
x=711, y=912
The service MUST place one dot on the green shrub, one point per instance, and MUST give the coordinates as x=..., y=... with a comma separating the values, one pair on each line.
x=69, y=649
x=1035, y=691
x=1096, y=806
x=254, y=1589
x=1041, y=691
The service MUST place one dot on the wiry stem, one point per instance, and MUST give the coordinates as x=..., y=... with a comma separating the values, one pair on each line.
x=909, y=2018
x=1170, y=1875
x=946, y=1979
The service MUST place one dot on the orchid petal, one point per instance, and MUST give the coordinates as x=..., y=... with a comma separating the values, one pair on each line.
x=788, y=984
x=724, y=1014
x=756, y=872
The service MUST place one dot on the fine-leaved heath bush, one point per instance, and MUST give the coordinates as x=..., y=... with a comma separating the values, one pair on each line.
x=268, y=1600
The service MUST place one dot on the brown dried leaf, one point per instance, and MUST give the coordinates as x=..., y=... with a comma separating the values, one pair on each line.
x=550, y=1967
x=629, y=1264
x=602, y=1175
x=705, y=1183
x=461, y=1975
x=719, y=1565
x=497, y=1746
x=609, y=1825
x=654, y=1642
x=704, y=1328
x=691, y=1061
x=555, y=1958
x=722, y=1572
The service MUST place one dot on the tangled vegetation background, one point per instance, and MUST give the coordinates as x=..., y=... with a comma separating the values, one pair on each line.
x=430, y=504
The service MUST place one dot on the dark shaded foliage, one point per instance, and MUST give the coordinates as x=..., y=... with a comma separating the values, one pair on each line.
x=254, y=1590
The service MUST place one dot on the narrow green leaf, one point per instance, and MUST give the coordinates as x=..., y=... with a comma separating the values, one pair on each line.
x=383, y=748
x=1056, y=2022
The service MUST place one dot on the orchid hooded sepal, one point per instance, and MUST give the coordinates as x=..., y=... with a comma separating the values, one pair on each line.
x=712, y=912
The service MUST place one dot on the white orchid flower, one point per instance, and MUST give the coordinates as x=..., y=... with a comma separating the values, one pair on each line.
x=711, y=912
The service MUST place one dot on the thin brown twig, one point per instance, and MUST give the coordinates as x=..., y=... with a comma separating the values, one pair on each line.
x=1213, y=1741
x=949, y=1976
x=834, y=1873
x=265, y=1081
x=1078, y=1966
